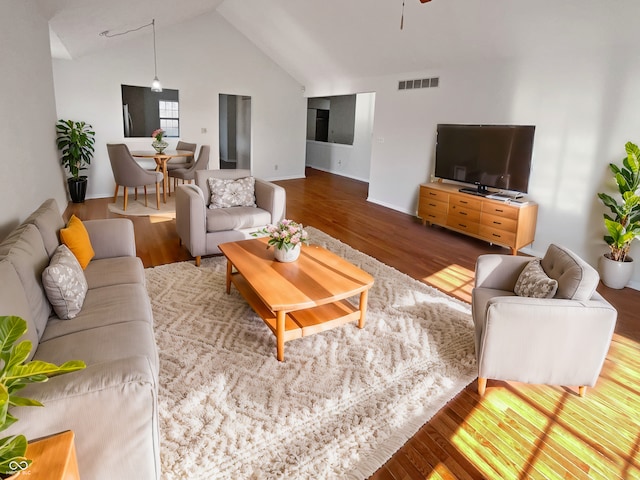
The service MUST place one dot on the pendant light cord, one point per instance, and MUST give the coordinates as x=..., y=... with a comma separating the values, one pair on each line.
x=402, y=16
x=155, y=61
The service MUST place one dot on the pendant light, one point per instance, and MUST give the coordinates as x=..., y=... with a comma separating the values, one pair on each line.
x=155, y=85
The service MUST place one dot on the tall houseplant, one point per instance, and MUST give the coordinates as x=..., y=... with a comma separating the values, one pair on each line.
x=75, y=141
x=624, y=225
x=15, y=374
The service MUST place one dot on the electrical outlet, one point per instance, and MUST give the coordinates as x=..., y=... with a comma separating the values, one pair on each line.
x=203, y=130
x=275, y=166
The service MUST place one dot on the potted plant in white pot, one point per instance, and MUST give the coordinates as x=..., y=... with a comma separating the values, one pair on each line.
x=15, y=374
x=75, y=140
x=616, y=267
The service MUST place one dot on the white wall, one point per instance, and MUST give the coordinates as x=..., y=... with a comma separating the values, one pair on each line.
x=201, y=58
x=348, y=160
x=29, y=169
x=584, y=107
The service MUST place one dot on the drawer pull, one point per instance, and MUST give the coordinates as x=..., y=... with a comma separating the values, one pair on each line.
x=499, y=210
x=431, y=193
x=496, y=235
x=462, y=225
x=432, y=204
x=463, y=202
x=497, y=223
x=462, y=213
x=431, y=216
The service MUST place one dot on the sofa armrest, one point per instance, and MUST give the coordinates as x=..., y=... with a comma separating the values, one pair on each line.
x=499, y=272
x=272, y=198
x=191, y=218
x=112, y=237
x=548, y=341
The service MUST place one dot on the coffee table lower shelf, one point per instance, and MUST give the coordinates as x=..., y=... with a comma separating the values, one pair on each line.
x=301, y=323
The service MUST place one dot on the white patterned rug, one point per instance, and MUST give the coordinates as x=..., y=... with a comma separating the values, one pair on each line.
x=341, y=403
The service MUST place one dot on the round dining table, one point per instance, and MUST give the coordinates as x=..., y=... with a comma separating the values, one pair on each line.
x=161, y=163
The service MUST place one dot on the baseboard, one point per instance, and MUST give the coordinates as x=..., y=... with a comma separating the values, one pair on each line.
x=392, y=207
x=342, y=174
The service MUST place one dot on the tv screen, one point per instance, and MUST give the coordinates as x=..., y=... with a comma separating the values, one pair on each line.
x=495, y=156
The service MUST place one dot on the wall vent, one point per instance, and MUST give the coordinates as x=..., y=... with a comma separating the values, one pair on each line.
x=419, y=83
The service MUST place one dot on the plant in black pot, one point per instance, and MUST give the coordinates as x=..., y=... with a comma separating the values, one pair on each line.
x=616, y=267
x=15, y=374
x=75, y=141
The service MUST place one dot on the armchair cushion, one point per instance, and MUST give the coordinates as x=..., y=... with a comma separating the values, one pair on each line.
x=534, y=282
x=577, y=280
x=236, y=218
x=227, y=192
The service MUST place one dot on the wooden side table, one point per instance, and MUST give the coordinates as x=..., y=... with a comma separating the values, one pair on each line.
x=54, y=458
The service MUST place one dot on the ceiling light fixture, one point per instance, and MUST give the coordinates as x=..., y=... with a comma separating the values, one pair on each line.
x=155, y=85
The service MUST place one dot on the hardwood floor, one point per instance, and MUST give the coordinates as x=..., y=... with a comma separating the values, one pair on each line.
x=515, y=431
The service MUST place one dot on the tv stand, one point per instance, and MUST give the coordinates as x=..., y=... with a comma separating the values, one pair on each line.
x=509, y=224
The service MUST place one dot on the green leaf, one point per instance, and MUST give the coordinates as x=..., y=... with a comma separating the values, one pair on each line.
x=633, y=157
x=11, y=329
x=24, y=402
x=33, y=370
x=12, y=454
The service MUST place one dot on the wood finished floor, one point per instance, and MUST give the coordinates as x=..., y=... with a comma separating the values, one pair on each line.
x=515, y=431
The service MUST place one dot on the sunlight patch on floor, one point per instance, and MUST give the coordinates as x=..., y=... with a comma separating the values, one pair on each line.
x=454, y=280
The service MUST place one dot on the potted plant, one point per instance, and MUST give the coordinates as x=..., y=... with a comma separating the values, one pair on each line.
x=286, y=236
x=75, y=140
x=616, y=267
x=15, y=374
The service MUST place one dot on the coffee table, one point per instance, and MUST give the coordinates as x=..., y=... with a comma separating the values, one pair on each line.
x=300, y=298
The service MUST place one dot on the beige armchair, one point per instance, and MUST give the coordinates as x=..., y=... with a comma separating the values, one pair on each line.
x=202, y=229
x=555, y=341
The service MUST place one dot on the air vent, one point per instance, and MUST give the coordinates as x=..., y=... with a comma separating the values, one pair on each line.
x=419, y=83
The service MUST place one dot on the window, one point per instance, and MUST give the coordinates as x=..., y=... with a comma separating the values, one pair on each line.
x=169, y=118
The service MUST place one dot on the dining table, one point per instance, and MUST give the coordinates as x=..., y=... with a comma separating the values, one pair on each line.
x=161, y=160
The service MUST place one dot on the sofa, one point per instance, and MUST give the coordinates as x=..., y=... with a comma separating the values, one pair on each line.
x=540, y=320
x=202, y=228
x=111, y=405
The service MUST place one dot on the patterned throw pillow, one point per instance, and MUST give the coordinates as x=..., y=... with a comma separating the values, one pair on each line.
x=226, y=192
x=533, y=282
x=65, y=283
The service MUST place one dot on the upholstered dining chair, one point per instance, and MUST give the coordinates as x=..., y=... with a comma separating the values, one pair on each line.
x=189, y=173
x=182, y=162
x=540, y=320
x=128, y=173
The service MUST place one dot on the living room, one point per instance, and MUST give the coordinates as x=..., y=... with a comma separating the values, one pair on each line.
x=579, y=94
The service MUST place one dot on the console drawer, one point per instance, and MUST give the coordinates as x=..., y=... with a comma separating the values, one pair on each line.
x=437, y=218
x=433, y=206
x=463, y=224
x=496, y=235
x=466, y=201
x=464, y=213
x=501, y=223
x=427, y=193
x=501, y=210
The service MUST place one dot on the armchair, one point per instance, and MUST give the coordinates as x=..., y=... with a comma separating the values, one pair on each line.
x=202, y=229
x=556, y=341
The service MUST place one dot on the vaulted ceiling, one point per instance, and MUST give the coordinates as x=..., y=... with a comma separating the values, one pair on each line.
x=337, y=39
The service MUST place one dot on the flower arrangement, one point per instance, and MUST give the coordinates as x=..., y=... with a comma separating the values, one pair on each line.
x=158, y=134
x=284, y=235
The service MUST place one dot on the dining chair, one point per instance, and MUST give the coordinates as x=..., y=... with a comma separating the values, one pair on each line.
x=128, y=173
x=190, y=173
x=182, y=162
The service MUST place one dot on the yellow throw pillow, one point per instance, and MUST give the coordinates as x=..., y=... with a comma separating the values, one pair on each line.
x=76, y=237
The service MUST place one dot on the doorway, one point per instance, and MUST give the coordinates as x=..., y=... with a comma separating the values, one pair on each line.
x=235, y=131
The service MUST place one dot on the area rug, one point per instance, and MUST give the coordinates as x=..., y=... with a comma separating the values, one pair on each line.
x=341, y=403
x=136, y=208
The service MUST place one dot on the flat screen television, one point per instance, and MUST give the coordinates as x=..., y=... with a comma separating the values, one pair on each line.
x=488, y=156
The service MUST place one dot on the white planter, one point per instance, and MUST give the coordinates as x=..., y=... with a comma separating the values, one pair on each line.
x=283, y=255
x=615, y=274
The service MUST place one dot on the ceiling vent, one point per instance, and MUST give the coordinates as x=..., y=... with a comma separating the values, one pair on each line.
x=420, y=83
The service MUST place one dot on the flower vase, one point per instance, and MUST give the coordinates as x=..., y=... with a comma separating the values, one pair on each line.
x=286, y=256
x=159, y=145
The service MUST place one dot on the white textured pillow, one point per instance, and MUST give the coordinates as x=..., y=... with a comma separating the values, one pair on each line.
x=227, y=192
x=534, y=282
x=65, y=283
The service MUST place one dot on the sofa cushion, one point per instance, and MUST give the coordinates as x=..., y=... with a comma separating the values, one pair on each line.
x=114, y=271
x=533, y=282
x=226, y=192
x=76, y=237
x=25, y=250
x=48, y=220
x=577, y=280
x=64, y=283
x=14, y=302
x=110, y=305
x=235, y=218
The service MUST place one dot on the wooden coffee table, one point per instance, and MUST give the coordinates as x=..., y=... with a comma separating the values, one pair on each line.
x=299, y=298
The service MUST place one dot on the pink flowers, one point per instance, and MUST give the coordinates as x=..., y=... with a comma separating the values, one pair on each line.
x=158, y=134
x=284, y=235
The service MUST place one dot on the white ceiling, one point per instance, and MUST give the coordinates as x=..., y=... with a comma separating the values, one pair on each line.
x=337, y=39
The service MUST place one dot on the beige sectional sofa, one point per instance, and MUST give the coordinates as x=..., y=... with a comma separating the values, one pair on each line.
x=112, y=404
